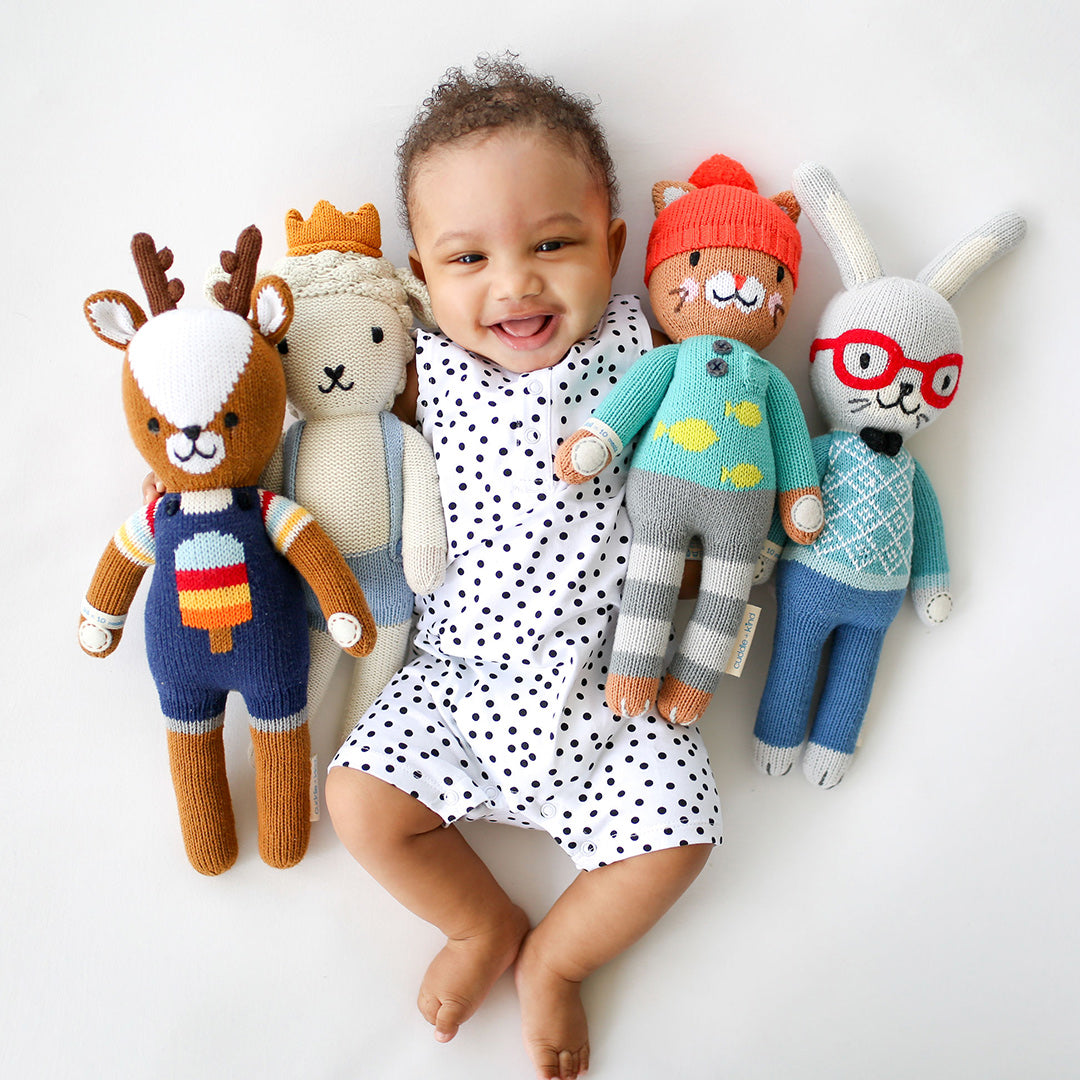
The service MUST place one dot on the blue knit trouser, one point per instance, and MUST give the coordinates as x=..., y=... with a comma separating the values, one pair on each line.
x=810, y=607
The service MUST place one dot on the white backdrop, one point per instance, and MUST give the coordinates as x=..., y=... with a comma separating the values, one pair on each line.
x=920, y=920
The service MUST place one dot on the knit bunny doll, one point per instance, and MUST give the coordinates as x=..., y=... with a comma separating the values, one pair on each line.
x=723, y=435
x=886, y=363
x=204, y=396
x=369, y=478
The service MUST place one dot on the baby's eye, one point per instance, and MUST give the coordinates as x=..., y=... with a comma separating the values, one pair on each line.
x=469, y=260
x=551, y=245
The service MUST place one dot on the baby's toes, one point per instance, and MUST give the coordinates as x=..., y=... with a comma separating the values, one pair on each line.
x=552, y=1064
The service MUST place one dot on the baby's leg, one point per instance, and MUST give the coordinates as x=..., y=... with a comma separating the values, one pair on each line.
x=436, y=875
x=600, y=914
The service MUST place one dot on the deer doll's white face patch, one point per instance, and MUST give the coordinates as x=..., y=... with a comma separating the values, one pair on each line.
x=186, y=363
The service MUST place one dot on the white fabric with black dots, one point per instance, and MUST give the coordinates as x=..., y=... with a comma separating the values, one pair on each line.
x=501, y=716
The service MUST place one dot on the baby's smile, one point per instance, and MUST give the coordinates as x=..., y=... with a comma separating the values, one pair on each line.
x=526, y=332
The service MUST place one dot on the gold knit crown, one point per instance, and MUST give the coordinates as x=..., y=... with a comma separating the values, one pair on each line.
x=328, y=229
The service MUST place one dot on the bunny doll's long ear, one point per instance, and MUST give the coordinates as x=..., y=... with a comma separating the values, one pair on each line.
x=955, y=267
x=827, y=207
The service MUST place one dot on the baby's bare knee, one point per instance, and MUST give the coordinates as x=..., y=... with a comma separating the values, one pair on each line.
x=370, y=815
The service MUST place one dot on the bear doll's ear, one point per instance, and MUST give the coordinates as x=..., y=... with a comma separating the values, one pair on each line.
x=665, y=192
x=788, y=203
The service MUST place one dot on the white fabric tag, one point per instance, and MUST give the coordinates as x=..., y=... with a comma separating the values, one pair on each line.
x=313, y=790
x=741, y=649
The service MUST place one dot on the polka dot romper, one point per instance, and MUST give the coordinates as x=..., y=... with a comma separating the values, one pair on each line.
x=501, y=716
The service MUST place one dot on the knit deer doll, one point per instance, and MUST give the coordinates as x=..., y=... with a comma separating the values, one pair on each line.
x=204, y=396
x=722, y=433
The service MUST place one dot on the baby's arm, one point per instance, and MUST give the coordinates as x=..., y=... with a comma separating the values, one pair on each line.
x=152, y=487
x=404, y=407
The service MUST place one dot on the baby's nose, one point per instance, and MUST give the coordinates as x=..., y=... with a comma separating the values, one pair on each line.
x=518, y=281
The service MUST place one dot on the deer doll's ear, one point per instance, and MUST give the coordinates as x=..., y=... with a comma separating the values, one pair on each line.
x=272, y=307
x=114, y=317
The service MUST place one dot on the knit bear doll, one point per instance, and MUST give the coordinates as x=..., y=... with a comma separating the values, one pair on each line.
x=885, y=364
x=723, y=436
x=204, y=395
x=369, y=478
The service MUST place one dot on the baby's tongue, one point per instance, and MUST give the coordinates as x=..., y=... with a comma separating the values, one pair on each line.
x=524, y=327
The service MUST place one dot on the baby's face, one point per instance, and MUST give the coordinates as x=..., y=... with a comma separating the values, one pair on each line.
x=515, y=241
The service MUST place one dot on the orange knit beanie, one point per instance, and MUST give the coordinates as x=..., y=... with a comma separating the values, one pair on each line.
x=725, y=210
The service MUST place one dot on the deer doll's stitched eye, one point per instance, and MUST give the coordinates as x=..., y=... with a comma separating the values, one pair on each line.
x=283, y=347
x=376, y=334
x=231, y=419
x=153, y=425
x=695, y=258
x=779, y=273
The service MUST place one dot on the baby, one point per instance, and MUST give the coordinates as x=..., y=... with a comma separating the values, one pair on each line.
x=509, y=193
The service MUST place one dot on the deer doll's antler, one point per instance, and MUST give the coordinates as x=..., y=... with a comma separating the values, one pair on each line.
x=235, y=294
x=162, y=293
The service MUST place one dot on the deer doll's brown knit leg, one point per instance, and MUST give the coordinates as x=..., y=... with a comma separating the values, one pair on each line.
x=197, y=760
x=282, y=788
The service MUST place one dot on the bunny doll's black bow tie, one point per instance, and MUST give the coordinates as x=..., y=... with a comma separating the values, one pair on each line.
x=882, y=442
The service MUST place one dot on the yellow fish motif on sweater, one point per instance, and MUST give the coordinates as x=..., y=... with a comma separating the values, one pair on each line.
x=692, y=435
x=742, y=476
x=746, y=413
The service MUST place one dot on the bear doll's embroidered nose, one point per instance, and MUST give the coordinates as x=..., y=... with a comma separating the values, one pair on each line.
x=193, y=431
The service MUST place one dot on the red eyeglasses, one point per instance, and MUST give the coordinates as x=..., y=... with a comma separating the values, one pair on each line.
x=869, y=360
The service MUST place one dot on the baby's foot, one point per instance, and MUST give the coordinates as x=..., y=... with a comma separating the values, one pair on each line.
x=553, y=1020
x=459, y=978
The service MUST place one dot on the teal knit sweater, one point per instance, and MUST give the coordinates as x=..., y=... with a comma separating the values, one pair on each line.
x=715, y=413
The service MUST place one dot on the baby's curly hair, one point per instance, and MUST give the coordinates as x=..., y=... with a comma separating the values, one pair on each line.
x=502, y=93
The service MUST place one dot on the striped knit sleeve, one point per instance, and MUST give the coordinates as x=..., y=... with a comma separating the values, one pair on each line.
x=284, y=519
x=135, y=538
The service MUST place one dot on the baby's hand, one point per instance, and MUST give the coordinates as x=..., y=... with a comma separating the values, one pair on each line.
x=152, y=487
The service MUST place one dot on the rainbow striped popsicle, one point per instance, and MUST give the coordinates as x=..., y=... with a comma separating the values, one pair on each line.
x=212, y=584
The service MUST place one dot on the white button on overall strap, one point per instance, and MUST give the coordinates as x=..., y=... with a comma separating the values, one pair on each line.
x=548, y=809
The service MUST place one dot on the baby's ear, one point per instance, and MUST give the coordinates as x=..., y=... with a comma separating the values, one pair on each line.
x=788, y=203
x=665, y=192
x=416, y=265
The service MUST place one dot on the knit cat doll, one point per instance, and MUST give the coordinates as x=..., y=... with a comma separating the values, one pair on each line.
x=204, y=395
x=886, y=363
x=369, y=478
x=723, y=436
